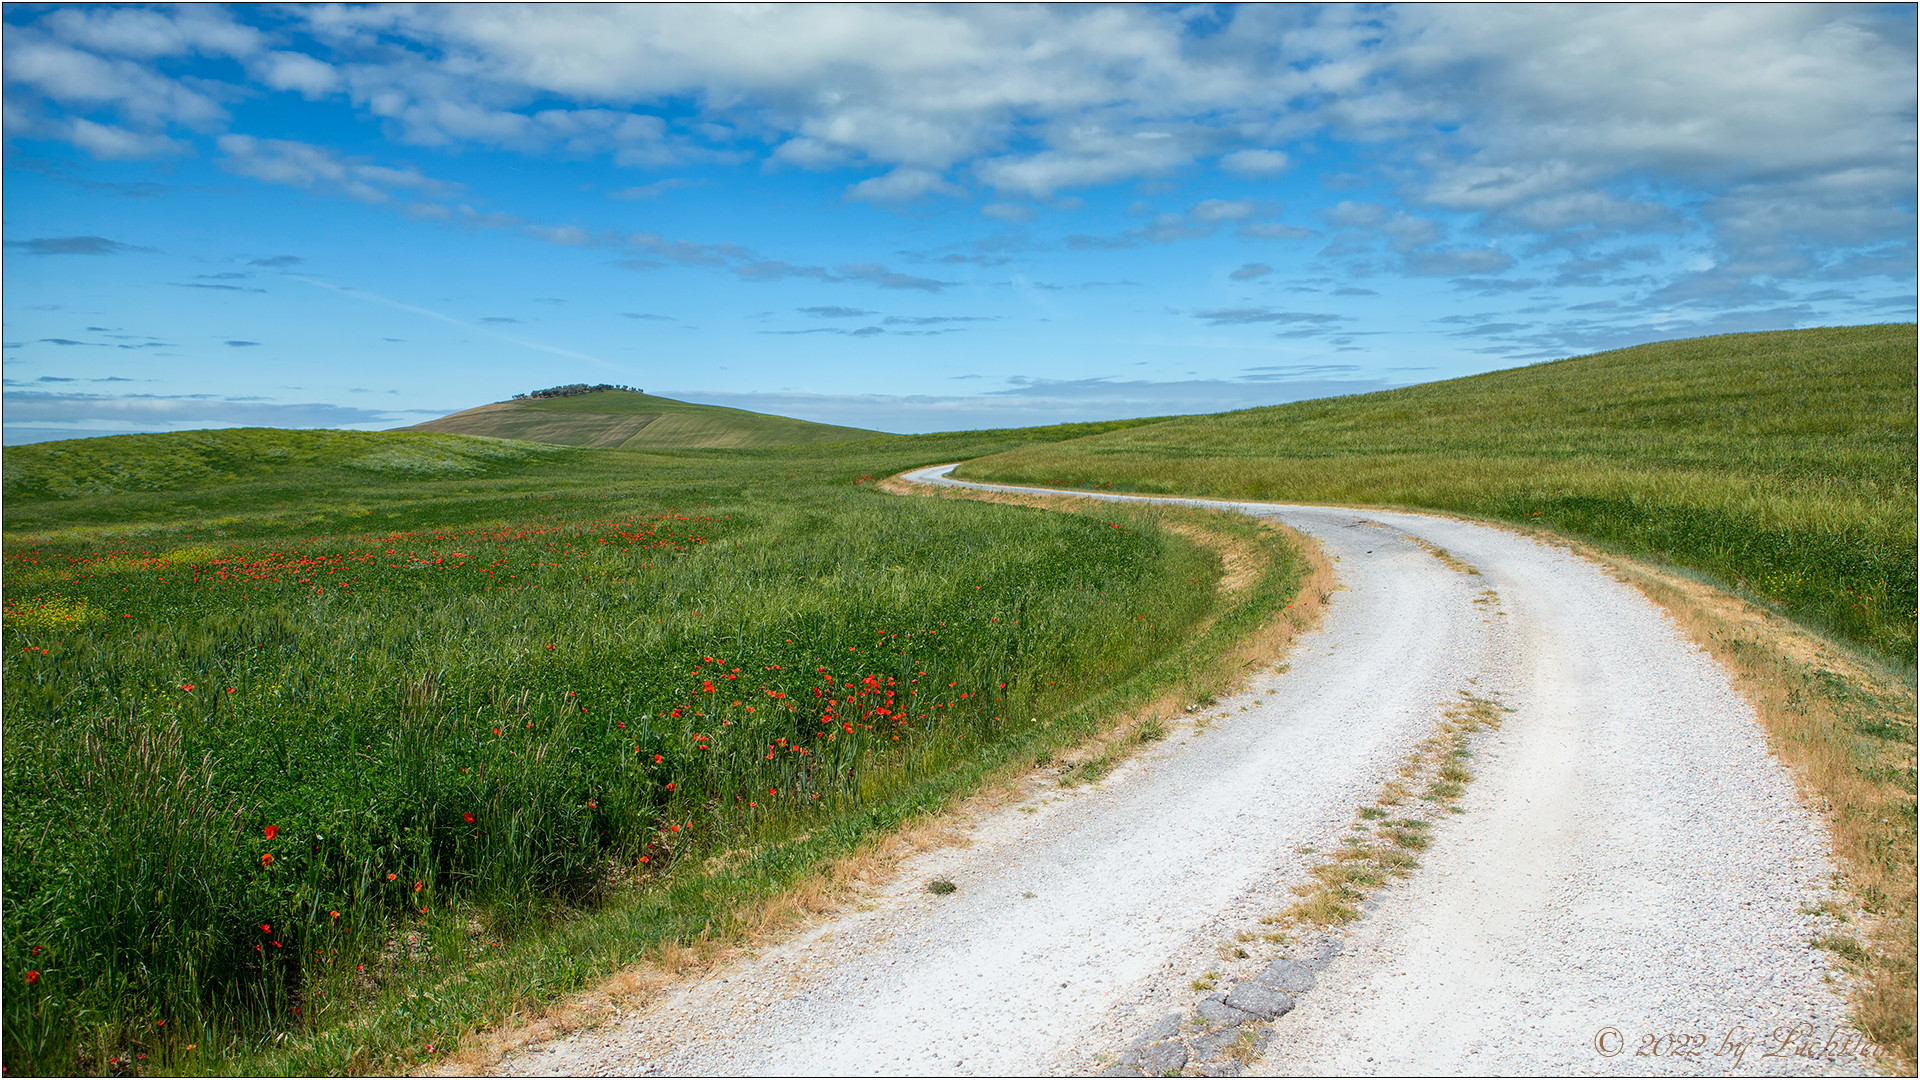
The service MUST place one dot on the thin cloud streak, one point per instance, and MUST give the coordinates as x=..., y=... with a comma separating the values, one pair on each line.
x=415, y=309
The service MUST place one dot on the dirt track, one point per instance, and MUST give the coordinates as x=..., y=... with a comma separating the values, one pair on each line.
x=1631, y=863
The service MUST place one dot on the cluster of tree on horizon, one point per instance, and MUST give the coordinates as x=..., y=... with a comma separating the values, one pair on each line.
x=572, y=389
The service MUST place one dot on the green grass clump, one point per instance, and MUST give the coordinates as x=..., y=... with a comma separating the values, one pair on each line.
x=1781, y=463
x=332, y=743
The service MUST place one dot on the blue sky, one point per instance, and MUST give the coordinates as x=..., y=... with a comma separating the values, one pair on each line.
x=919, y=218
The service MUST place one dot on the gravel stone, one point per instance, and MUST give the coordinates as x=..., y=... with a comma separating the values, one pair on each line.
x=1214, y=1009
x=1163, y=1058
x=1289, y=976
x=1208, y=1047
x=1167, y=1027
x=1262, y=1001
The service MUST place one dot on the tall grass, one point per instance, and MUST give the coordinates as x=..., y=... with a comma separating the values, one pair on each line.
x=1781, y=463
x=261, y=764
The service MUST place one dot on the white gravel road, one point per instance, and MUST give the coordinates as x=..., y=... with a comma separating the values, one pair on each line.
x=1628, y=876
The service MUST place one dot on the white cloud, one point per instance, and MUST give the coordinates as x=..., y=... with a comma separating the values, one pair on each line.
x=1089, y=156
x=1272, y=230
x=108, y=142
x=1255, y=162
x=810, y=153
x=1528, y=118
x=1458, y=263
x=303, y=165
x=1566, y=101
x=651, y=191
x=79, y=79
x=296, y=71
x=1218, y=210
x=902, y=185
x=1009, y=212
x=146, y=33
x=565, y=235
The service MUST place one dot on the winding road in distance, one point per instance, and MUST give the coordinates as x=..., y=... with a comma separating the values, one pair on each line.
x=1623, y=893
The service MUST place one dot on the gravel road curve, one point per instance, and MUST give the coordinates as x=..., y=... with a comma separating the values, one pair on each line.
x=1630, y=873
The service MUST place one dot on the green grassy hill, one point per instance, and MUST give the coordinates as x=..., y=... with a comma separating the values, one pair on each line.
x=1778, y=462
x=276, y=700
x=624, y=418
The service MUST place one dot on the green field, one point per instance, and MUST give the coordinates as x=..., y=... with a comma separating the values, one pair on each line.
x=322, y=747
x=635, y=421
x=1782, y=464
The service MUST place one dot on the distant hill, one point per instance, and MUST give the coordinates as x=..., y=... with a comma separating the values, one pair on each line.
x=627, y=418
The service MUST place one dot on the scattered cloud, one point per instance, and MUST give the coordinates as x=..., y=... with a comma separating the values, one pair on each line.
x=214, y=287
x=1255, y=162
x=934, y=320
x=1216, y=211
x=1273, y=230
x=74, y=245
x=902, y=185
x=564, y=235
x=1247, y=316
x=34, y=415
x=653, y=190
x=318, y=168
x=1251, y=271
x=1455, y=262
x=1026, y=401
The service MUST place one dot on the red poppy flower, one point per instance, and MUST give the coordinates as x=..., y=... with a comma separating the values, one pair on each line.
x=467, y=817
x=32, y=977
x=267, y=859
x=189, y=686
x=266, y=928
x=272, y=831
